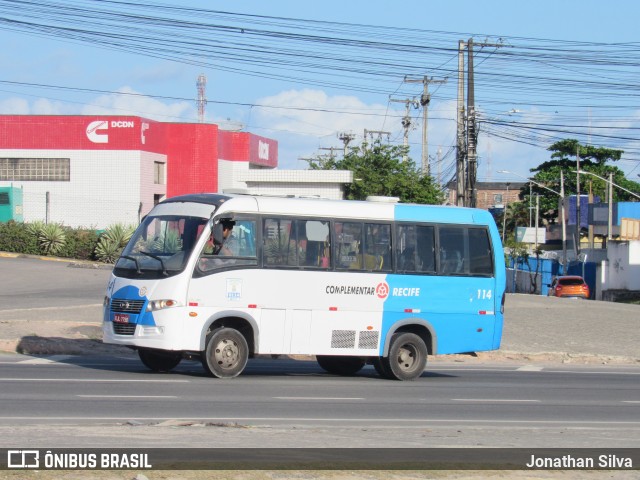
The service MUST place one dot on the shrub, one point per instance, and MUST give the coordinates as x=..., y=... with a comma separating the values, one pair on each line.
x=16, y=237
x=52, y=238
x=112, y=241
x=81, y=244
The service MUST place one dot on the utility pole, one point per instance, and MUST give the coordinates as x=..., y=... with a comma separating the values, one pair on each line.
x=425, y=99
x=331, y=149
x=346, y=138
x=467, y=135
x=577, y=240
x=472, y=136
x=371, y=133
x=406, y=120
x=439, y=167
x=461, y=151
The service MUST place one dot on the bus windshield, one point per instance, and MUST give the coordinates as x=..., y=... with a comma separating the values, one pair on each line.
x=160, y=247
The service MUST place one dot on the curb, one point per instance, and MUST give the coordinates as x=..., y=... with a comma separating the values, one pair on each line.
x=71, y=261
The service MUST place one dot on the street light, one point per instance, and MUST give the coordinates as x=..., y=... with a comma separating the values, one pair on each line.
x=561, y=195
x=608, y=181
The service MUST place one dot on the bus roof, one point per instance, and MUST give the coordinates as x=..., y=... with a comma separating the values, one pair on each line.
x=305, y=206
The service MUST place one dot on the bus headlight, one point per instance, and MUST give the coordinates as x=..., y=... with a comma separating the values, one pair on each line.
x=154, y=305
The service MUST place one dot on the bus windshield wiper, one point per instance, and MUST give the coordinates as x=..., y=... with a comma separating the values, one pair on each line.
x=156, y=257
x=134, y=260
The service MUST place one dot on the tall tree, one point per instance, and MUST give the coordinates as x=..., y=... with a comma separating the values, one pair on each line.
x=379, y=169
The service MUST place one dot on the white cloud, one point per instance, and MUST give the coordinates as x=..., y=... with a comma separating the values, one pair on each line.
x=14, y=106
x=313, y=120
x=133, y=103
x=314, y=113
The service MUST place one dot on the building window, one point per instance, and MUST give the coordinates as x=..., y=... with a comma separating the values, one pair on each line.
x=158, y=173
x=497, y=199
x=35, y=169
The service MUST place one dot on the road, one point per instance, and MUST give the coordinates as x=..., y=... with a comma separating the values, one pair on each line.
x=114, y=401
x=28, y=283
x=92, y=400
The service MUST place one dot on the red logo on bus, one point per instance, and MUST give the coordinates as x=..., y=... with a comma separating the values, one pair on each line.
x=382, y=290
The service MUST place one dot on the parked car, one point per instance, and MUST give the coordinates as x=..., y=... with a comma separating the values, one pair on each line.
x=569, y=286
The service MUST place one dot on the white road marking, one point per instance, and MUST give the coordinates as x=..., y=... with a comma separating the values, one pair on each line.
x=53, y=359
x=346, y=420
x=89, y=380
x=318, y=398
x=491, y=400
x=126, y=396
x=529, y=368
x=68, y=307
x=630, y=401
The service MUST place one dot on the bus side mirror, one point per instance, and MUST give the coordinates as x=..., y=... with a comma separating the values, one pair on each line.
x=218, y=237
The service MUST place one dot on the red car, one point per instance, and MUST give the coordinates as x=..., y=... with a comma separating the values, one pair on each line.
x=568, y=286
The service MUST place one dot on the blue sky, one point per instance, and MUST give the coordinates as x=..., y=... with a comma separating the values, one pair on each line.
x=308, y=116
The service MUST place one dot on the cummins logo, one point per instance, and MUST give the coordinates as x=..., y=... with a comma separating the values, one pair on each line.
x=96, y=131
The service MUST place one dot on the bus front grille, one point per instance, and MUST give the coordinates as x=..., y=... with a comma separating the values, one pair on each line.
x=124, y=328
x=126, y=305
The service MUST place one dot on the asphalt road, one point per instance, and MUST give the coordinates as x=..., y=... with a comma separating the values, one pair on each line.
x=451, y=405
x=36, y=291
x=27, y=283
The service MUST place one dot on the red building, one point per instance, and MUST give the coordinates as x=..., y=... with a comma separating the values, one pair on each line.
x=102, y=169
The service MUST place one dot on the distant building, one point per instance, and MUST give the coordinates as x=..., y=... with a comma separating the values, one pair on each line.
x=97, y=170
x=491, y=195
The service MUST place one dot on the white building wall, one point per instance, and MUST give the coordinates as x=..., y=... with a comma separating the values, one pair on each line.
x=104, y=188
x=229, y=174
x=622, y=270
x=321, y=183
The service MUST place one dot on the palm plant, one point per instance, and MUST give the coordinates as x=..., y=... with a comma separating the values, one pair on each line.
x=112, y=241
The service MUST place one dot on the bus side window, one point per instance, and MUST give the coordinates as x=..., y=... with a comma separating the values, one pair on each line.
x=378, y=247
x=280, y=243
x=349, y=238
x=480, y=256
x=452, y=249
x=318, y=251
x=406, y=248
x=426, y=249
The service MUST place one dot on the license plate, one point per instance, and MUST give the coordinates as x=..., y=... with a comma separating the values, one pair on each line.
x=121, y=318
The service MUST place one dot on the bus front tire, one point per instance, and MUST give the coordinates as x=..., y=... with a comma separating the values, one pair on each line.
x=226, y=353
x=159, y=361
x=407, y=357
x=340, y=364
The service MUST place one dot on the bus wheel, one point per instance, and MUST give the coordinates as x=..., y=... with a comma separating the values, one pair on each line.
x=378, y=364
x=226, y=353
x=407, y=356
x=340, y=365
x=159, y=361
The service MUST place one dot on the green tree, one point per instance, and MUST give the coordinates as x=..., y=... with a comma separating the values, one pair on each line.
x=564, y=158
x=379, y=169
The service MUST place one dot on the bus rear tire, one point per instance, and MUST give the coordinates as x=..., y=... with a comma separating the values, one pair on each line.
x=340, y=364
x=407, y=356
x=226, y=353
x=159, y=361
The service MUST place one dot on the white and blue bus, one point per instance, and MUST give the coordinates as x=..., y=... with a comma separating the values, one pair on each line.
x=224, y=278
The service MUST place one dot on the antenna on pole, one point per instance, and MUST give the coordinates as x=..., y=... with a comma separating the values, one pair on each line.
x=202, y=96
